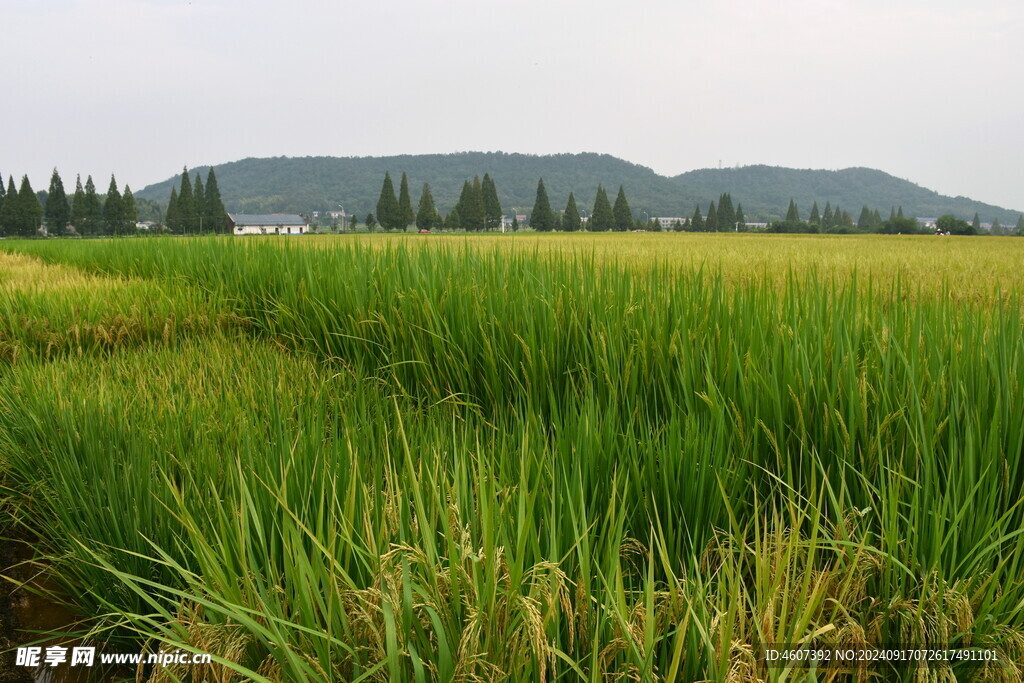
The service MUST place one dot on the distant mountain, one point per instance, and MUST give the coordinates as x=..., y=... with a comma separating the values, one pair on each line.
x=306, y=184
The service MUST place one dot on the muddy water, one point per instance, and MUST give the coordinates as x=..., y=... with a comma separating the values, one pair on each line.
x=24, y=614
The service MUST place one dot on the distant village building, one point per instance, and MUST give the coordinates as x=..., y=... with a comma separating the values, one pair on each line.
x=267, y=224
x=669, y=222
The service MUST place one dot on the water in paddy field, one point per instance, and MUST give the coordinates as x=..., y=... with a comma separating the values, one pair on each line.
x=24, y=614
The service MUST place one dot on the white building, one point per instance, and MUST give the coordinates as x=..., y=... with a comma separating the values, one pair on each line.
x=267, y=224
x=669, y=222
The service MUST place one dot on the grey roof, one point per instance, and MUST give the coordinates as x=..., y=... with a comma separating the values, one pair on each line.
x=270, y=219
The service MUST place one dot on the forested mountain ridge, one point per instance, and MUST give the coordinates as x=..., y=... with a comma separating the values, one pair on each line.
x=306, y=184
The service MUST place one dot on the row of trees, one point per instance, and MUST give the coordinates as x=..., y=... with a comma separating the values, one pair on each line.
x=839, y=221
x=20, y=211
x=194, y=207
x=23, y=213
x=723, y=218
x=478, y=207
x=604, y=217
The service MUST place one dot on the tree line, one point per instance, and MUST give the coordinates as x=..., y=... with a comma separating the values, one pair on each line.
x=479, y=209
x=871, y=221
x=24, y=213
x=196, y=208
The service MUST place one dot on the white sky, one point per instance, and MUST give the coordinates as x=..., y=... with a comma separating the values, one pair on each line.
x=928, y=90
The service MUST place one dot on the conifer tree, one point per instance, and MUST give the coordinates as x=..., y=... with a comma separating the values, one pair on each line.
x=371, y=222
x=187, y=205
x=78, y=205
x=9, y=209
x=57, y=212
x=93, y=208
x=388, y=213
x=405, y=204
x=453, y=220
x=996, y=229
x=815, y=218
x=199, y=201
x=899, y=214
x=29, y=212
x=826, y=219
x=1020, y=225
x=113, y=210
x=602, y=217
x=571, y=221
x=976, y=224
x=542, y=218
x=474, y=214
x=792, y=214
x=741, y=220
x=171, y=218
x=426, y=216
x=621, y=211
x=711, y=221
x=866, y=221
x=129, y=210
x=726, y=214
x=492, y=206
x=215, y=212
x=3, y=192
x=697, y=222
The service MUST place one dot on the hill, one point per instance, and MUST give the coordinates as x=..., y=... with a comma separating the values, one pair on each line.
x=306, y=184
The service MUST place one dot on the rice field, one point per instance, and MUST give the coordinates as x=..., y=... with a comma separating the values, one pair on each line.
x=617, y=457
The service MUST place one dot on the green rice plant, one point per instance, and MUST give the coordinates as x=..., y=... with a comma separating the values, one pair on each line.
x=454, y=464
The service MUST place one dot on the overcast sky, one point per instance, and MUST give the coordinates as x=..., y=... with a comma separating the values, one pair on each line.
x=930, y=91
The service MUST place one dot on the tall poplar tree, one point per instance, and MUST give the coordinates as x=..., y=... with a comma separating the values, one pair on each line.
x=542, y=218
x=388, y=214
x=492, y=206
x=602, y=217
x=215, y=211
x=571, y=221
x=405, y=203
x=57, y=212
x=621, y=211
